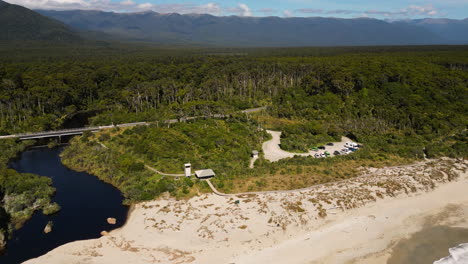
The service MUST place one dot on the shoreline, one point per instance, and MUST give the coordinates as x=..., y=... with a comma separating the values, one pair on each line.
x=288, y=227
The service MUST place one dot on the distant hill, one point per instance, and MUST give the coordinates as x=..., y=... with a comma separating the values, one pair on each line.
x=451, y=30
x=255, y=31
x=21, y=24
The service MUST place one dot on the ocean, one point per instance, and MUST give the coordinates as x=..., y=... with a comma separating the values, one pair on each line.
x=433, y=245
x=458, y=255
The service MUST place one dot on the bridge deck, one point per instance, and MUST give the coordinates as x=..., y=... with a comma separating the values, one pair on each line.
x=78, y=131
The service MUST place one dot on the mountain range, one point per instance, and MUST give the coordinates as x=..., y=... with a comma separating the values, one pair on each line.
x=450, y=30
x=21, y=24
x=208, y=30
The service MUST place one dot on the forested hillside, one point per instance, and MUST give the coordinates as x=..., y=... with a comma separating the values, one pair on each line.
x=21, y=24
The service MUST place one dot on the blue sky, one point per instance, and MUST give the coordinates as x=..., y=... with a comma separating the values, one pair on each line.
x=383, y=9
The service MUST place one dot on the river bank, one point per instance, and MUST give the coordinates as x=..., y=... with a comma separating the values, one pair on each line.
x=357, y=221
x=86, y=203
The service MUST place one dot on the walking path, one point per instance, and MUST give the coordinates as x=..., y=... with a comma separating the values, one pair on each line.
x=252, y=162
x=162, y=173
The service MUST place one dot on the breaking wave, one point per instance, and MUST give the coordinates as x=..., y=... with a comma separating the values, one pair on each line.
x=458, y=255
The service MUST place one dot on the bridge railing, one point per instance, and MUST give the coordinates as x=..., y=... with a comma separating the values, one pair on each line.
x=96, y=128
x=58, y=131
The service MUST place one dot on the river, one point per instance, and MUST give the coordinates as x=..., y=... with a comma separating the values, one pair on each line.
x=86, y=204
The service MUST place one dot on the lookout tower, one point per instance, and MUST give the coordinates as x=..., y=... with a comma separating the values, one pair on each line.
x=188, y=170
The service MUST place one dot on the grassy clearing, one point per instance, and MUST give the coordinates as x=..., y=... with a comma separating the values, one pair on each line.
x=285, y=176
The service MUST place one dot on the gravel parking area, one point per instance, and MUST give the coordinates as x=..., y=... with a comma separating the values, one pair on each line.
x=273, y=152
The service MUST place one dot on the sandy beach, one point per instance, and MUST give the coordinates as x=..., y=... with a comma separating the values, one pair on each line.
x=355, y=221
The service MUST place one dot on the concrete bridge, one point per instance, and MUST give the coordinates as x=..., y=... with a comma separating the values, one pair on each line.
x=67, y=132
x=79, y=131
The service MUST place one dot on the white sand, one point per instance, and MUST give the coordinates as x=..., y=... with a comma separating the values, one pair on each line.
x=284, y=228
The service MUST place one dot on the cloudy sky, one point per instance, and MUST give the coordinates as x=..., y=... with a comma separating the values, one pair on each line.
x=389, y=9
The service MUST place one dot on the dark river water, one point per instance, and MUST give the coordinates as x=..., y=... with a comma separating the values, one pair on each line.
x=86, y=204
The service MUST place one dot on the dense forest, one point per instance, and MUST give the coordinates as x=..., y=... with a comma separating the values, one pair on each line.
x=401, y=103
x=41, y=94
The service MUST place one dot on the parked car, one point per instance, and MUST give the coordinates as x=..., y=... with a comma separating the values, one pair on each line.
x=345, y=151
x=336, y=153
x=323, y=155
x=327, y=154
x=321, y=147
x=330, y=144
x=315, y=149
x=351, y=145
x=317, y=155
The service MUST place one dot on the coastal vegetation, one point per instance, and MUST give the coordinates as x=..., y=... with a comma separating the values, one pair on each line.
x=401, y=103
x=119, y=156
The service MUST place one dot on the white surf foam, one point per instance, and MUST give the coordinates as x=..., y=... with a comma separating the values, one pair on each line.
x=458, y=255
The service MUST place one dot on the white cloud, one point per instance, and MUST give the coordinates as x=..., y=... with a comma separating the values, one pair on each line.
x=127, y=3
x=210, y=8
x=145, y=6
x=214, y=8
x=427, y=10
x=245, y=10
x=239, y=10
x=128, y=6
x=56, y=4
x=288, y=13
x=410, y=11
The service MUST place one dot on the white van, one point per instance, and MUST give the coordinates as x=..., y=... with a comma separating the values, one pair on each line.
x=351, y=145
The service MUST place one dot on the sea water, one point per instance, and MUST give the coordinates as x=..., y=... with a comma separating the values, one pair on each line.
x=458, y=255
x=431, y=244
